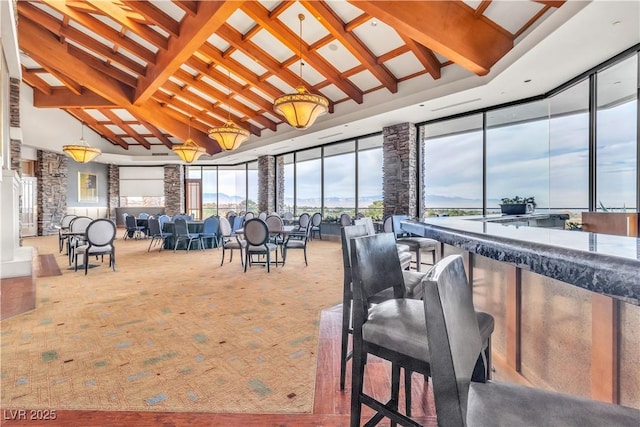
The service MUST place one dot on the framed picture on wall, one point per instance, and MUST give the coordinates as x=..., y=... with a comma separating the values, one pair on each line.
x=87, y=187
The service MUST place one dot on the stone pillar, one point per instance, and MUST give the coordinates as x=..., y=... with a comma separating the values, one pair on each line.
x=266, y=183
x=52, y=191
x=113, y=190
x=173, y=189
x=400, y=170
x=14, y=102
x=280, y=184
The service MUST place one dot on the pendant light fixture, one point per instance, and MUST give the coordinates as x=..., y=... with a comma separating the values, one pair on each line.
x=301, y=109
x=82, y=153
x=229, y=136
x=189, y=152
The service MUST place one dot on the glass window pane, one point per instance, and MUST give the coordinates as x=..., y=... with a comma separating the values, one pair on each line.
x=194, y=172
x=339, y=181
x=569, y=150
x=370, y=182
x=308, y=182
x=452, y=176
x=209, y=191
x=252, y=187
x=288, y=183
x=518, y=154
x=232, y=189
x=616, y=136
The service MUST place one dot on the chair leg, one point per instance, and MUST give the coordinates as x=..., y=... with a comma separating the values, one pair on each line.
x=395, y=388
x=305, y=255
x=407, y=392
x=222, y=262
x=112, y=258
x=418, y=259
x=357, y=376
x=246, y=260
x=346, y=326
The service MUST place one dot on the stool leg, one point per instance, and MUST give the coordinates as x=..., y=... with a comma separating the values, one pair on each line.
x=418, y=259
x=346, y=325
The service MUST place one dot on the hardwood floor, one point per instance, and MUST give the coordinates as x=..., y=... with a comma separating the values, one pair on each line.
x=331, y=406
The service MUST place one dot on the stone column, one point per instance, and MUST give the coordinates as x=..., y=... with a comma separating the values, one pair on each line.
x=266, y=183
x=400, y=170
x=113, y=190
x=173, y=189
x=52, y=190
x=280, y=184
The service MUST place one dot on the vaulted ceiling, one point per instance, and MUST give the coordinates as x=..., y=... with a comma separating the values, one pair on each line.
x=153, y=73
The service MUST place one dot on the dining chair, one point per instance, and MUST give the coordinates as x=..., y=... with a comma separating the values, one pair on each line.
x=63, y=228
x=100, y=234
x=316, y=221
x=303, y=223
x=156, y=233
x=287, y=217
x=76, y=236
x=345, y=219
x=237, y=223
x=181, y=232
x=296, y=241
x=417, y=244
x=262, y=215
x=249, y=215
x=454, y=343
x=256, y=234
x=276, y=226
x=210, y=231
x=143, y=215
x=230, y=241
x=133, y=229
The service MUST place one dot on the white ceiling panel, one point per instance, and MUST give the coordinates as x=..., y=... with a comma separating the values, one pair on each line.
x=365, y=80
x=269, y=43
x=510, y=18
x=378, y=36
x=339, y=56
x=404, y=65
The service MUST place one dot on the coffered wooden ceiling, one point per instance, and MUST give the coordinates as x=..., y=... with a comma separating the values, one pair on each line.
x=138, y=72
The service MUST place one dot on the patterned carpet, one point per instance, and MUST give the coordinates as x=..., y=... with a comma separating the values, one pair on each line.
x=171, y=332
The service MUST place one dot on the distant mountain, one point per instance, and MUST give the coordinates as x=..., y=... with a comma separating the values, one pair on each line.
x=222, y=198
x=440, y=201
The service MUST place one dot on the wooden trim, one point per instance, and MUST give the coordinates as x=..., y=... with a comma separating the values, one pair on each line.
x=513, y=317
x=604, y=348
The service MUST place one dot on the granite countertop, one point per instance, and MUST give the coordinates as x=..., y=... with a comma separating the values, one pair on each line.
x=601, y=263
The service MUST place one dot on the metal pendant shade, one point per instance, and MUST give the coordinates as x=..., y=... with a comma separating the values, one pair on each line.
x=229, y=136
x=189, y=152
x=301, y=109
x=81, y=153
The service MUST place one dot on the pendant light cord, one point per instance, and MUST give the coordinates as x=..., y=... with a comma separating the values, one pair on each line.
x=301, y=18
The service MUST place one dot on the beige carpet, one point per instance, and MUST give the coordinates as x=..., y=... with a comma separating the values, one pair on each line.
x=171, y=332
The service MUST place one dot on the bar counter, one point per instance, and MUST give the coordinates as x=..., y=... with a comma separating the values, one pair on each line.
x=566, y=303
x=601, y=263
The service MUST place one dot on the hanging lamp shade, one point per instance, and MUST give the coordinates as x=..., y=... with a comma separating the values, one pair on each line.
x=81, y=153
x=301, y=109
x=189, y=152
x=229, y=136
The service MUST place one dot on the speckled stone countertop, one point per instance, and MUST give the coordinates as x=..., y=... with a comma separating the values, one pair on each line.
x=601, y=263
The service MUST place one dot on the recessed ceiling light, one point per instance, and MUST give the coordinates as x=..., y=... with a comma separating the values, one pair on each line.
x=333, y=47
x=421, y=105
x=616, y=23
x=374, y=23
x=528, y=81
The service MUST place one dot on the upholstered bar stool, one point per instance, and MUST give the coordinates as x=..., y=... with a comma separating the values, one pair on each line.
x=417, y=244
x=454, y=344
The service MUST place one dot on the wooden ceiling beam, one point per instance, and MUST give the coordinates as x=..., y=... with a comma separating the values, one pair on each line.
x=261, y=15
x=449, y=28
x=102, y=30
x=90, y=121
x=57, y=27
x=194, y=31
x=233, y=85
x=336, y=27
x=221, y=98
x=156, y=132
x=190, y=7
x=215, y=55
x=183, y=111
x=34, y=80
x=551, y=3
x=155, y=15
x=116, y=120
x=103, y=66
x=426, y=57
x=120, y=16
x=356, y=22
x=45, y=48
x=64, y=98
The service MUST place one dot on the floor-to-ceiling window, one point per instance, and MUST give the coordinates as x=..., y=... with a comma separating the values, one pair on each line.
x=252, y=187
x=616, y=136
x=452, y=173
x=308, y=181
x=232, y=189
x=339, y=180
x=370, y=177
x=209, y=191
x=289, y=178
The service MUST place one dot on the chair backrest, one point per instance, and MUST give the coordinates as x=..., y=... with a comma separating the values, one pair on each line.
x=211, y=226
x=256, y=232
x=454, y=338
x=80, y=223
x=249, y=215
x=225, y=227
x=274, y=223
x=143, y=215
x=154, y=226
x=287, y=216
x=347, y=233
x=316, y=219
x=367, y=222
x=180, y=227
x=303, y=221
x=163, y=219
x=375, y=266
x=262, y=215
x=397, y=226
x=387, y=224
x=64, y=222
x=230, y=214
x=101, y=232
x=345, y=219
x=130, y=222
x=237, y=223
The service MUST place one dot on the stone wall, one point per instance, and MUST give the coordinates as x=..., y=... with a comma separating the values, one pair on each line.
x=280, y=184
x=51, y=172
x=173, y=189
x=266, y=183
x=113, y=190
x=399, y=170
x=14, y=102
